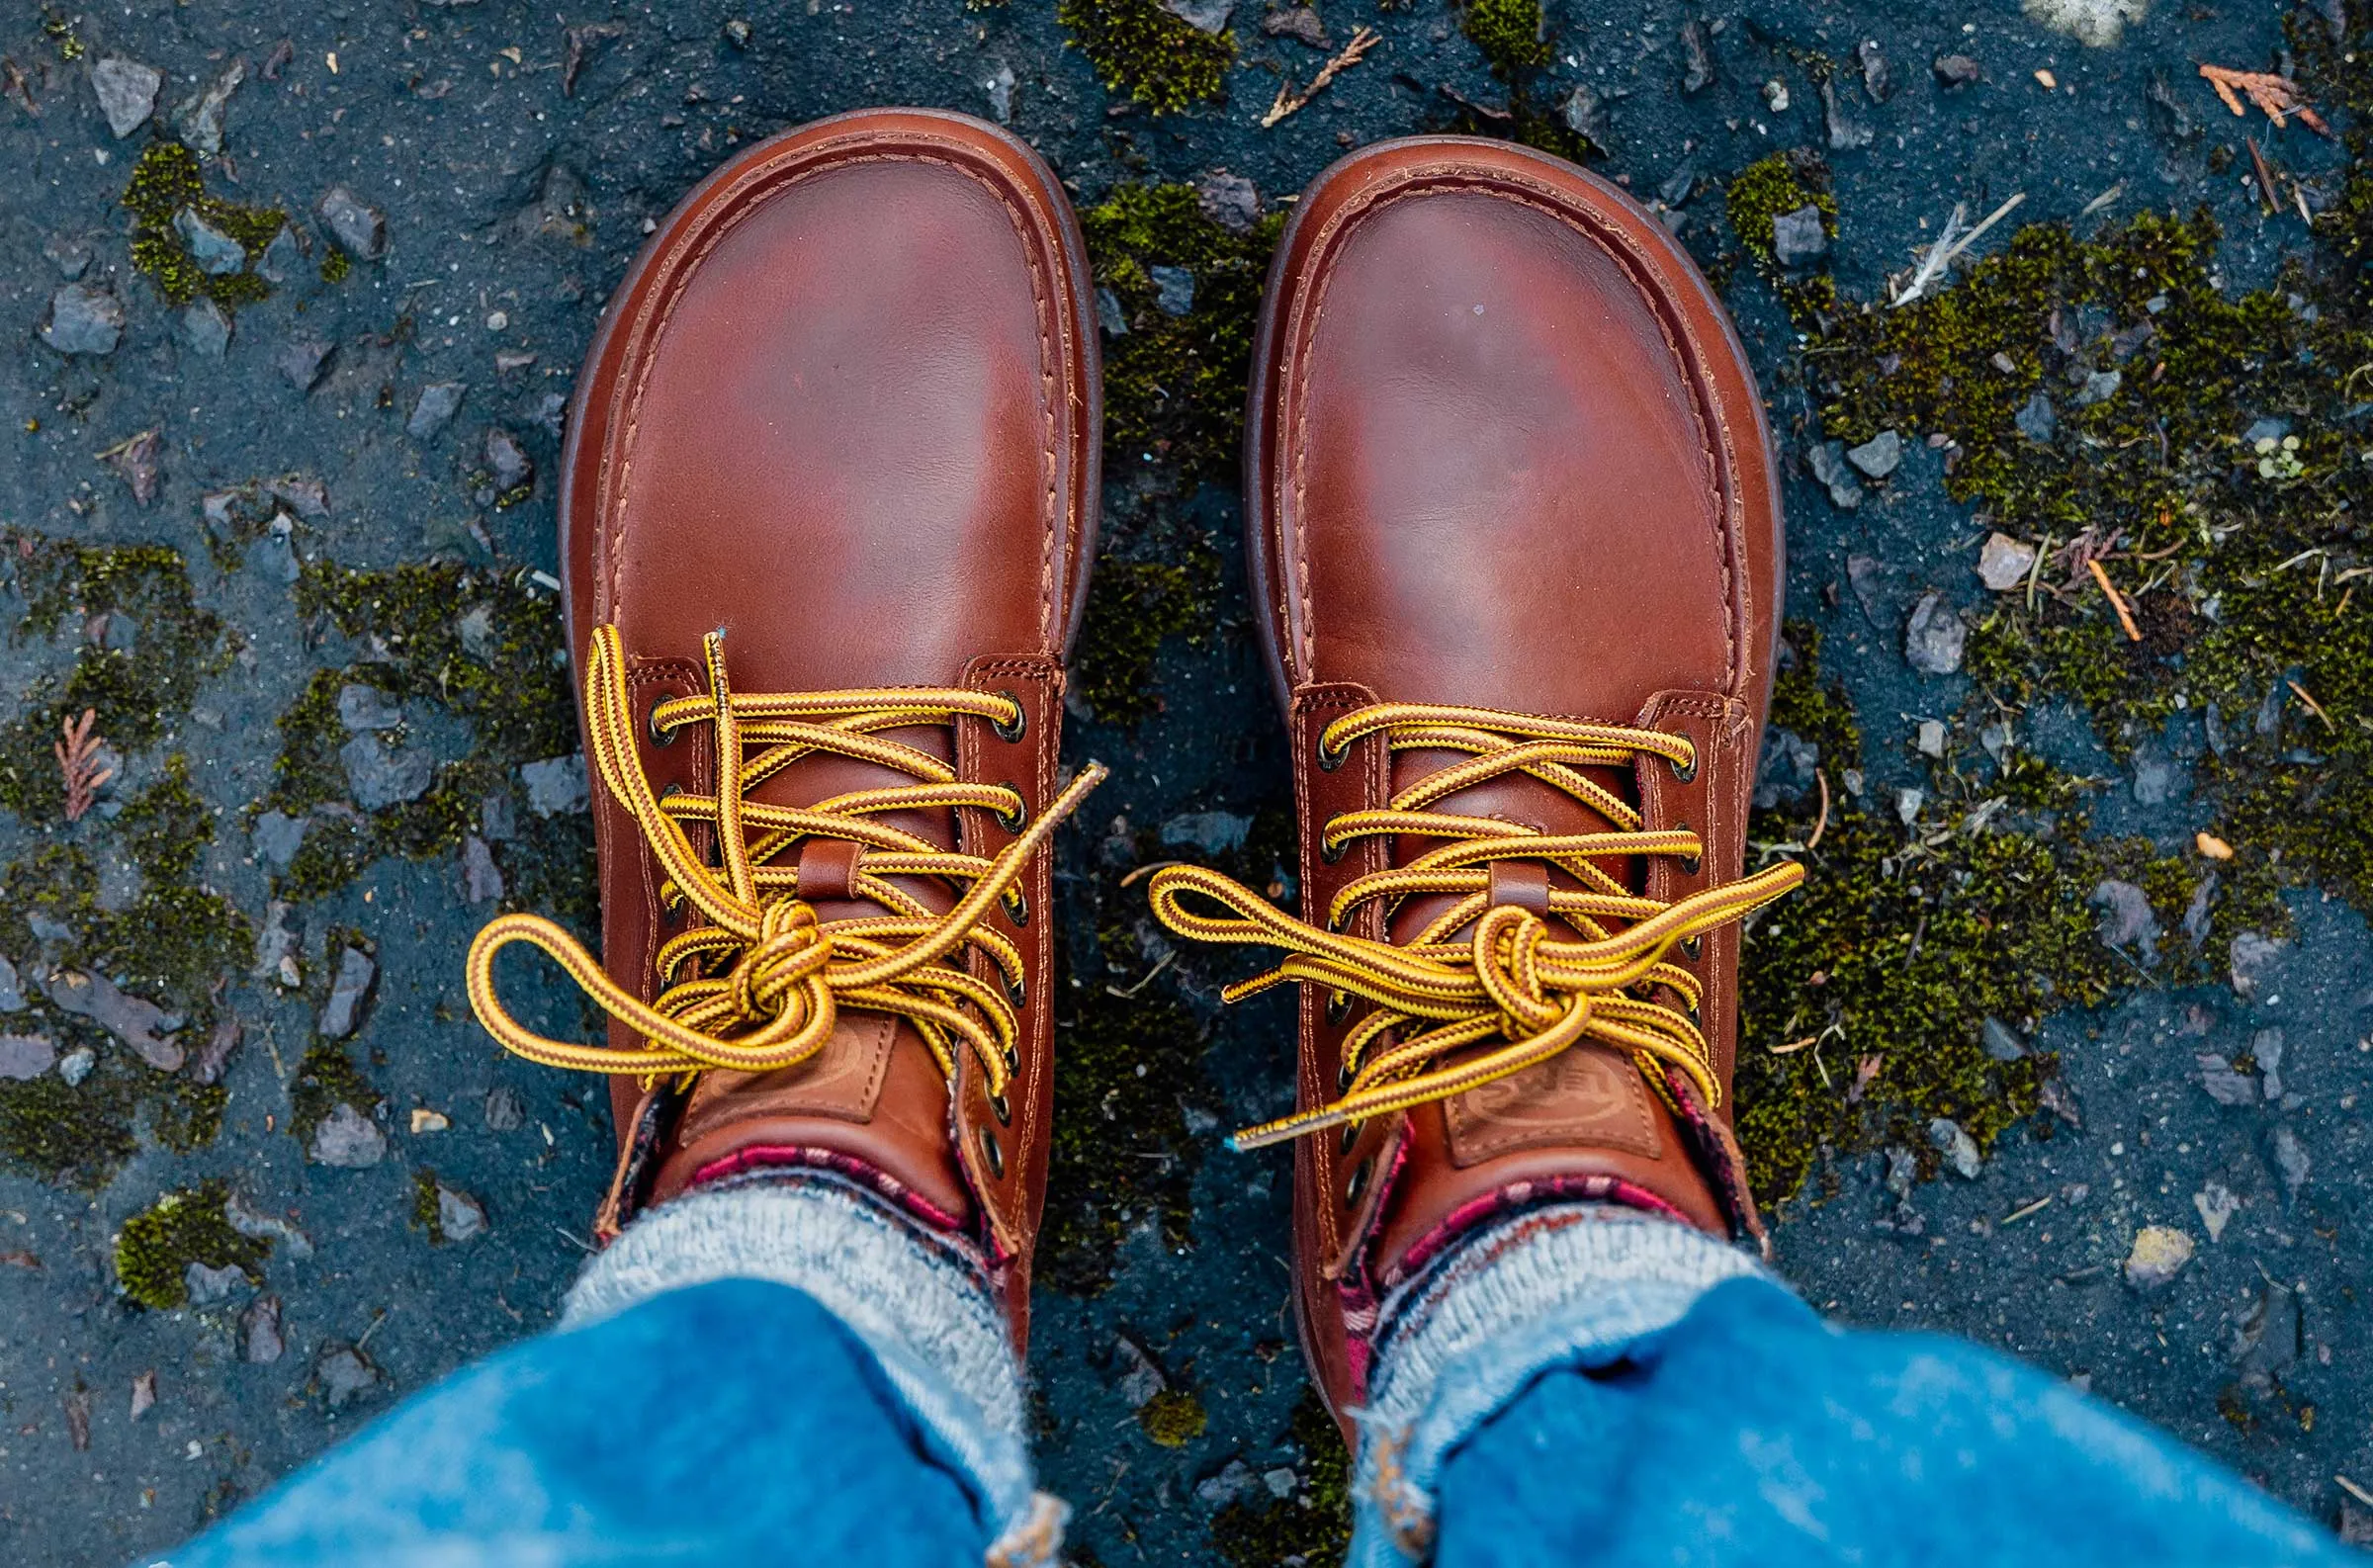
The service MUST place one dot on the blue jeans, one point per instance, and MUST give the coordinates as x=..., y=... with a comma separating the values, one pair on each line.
x=739, y=1421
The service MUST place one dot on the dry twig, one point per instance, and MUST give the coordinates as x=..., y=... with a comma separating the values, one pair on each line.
x=1950, y=247
x=1289, y=102
x=2313, y=706
x=2277, y=96
x=2117, y=600
x=1821, y=778
x=78, y=763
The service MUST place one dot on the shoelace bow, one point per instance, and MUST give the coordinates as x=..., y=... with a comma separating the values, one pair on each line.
x=1511, y=978
x=758, y=986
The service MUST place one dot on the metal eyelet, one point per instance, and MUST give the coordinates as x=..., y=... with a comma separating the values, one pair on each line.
x=1350, y=1136
x=1685, y=772
x=1330, y=853
x=1339, y=1007
x=1017, y=907
x=1019, y=818
x=1689, y=863
x=1328, y=761
x=1022, y=720
x=1012, y=1060
x=1693, y=946
x=1696, y=1022
x=659, y=737
x=995, y=1153
x=1002, y=1109
x=671, y=788
x=1343, y=1078
x=1017, y=992
x=1356, y=1184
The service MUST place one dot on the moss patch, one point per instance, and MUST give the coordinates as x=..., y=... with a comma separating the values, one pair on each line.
x=1139, y=49
x=485, y=648
x=326, y=1080
x=1173, y=1418
x=145, y=651
x=166, y=179
x=156, y=1246
x=1767, y=190
x=427, y=1213
x=1314, y=1525
x=1511, y=33
x=1865, y=996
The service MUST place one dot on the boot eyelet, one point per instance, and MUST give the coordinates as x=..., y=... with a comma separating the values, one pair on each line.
x=1012, y=1060
x=1696, y=1020
x=1693, y=946
x=1018, y=908
x=1343, y=1078
x=659, y=737
x=1022, y=720
x=1017, y=992
x=671, y=790
x=1685, y=772
x=1015, y=820
x=1356, y=1184
x=1002, y=1109
x=1689, y=863
x=1350, y=1136
x=1329, y=853
x=1339, y=1007
x=1329, y=761
x=995, y=1153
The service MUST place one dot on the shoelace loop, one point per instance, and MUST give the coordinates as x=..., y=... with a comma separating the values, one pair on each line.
x=1513, y=978
x=760, y=984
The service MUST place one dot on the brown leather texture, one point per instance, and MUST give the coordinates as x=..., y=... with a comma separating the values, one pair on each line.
x=845, y=407
x=1503, y=451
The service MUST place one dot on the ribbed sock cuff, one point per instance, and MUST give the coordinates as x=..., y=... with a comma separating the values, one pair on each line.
x=918, y=1299
x=1560, y=1285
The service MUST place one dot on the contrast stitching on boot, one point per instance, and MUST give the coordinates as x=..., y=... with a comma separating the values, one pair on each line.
x=1511, y=980
x=755, y=986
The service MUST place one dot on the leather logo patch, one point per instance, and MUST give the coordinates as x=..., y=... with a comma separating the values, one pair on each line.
x=1582, y=1096
x=843, y=1081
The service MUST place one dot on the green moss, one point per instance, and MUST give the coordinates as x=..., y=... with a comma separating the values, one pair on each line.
x=1133, y=607
x=1904, y=943
x=138, y=693
x=78, y=1136
x=508, y=678
x=326, y=1080
x=1511, y=33
x=1175, y=385
x=1173, y=1418
x=427, y=1214
x=1144, y=50
x=167, y=825
x=156, y=1246
x=335, y=265
x=1314, y=1526
x=1771, y=186
x=189, y=1116
x=167, y=178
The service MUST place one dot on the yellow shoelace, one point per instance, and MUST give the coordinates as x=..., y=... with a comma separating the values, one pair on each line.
x=758, y=986
x=1510, y=979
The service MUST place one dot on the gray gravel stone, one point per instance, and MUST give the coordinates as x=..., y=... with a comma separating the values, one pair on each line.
x=84, y=318
x=302, y=360
x=1109, y=316
x=2002, y=1042
x=127, y=92
x=76, y=1065
x=2038, y=420
x=506, y=1110
x=2159, y=1253
x=1800, y=237
x=557, y=785
x=200, y=120
x=277, y=837
x=2126, y=917
x=459, y=1215
x=260, y=1344
x=2290, y=1160
x=1204, y=16
x=345, y=1374
x=216, y=252
x=1173, y=290
x=434, y=408
x=136, y=1022
x=25, y=1057
x=365, y=707
x=210, y=1286
x=282, y=257
x=349, y=1139
x=1959, y=1149
x=2254, y=963
x=382, y=775
x=1879, y=455
x=360, y=229
x=481, y=877
x=12, y=989
x=2004, y=562
x=343, y=1008
x=206, y=327
x=1827, y=459
x=1788, y=770
x=1935, y=638
x=1229, y=200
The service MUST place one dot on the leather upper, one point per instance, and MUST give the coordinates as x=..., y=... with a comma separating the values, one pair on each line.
x=844, y=407
x=1504, y=451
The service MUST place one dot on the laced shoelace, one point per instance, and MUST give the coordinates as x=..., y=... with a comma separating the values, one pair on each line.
x=1511, y=978
x=758, y=986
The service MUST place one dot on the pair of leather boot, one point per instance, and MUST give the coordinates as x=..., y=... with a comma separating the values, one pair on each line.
x=827, y=516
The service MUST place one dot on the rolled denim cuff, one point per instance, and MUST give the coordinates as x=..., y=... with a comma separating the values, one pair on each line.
x=1564, y=1286
x=920, y=1301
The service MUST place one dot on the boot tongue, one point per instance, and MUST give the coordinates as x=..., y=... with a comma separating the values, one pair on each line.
x=1516, y=798
x=872, y=1101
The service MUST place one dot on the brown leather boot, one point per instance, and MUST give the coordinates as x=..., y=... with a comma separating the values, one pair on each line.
x=827, y=513
x=1516, y=537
